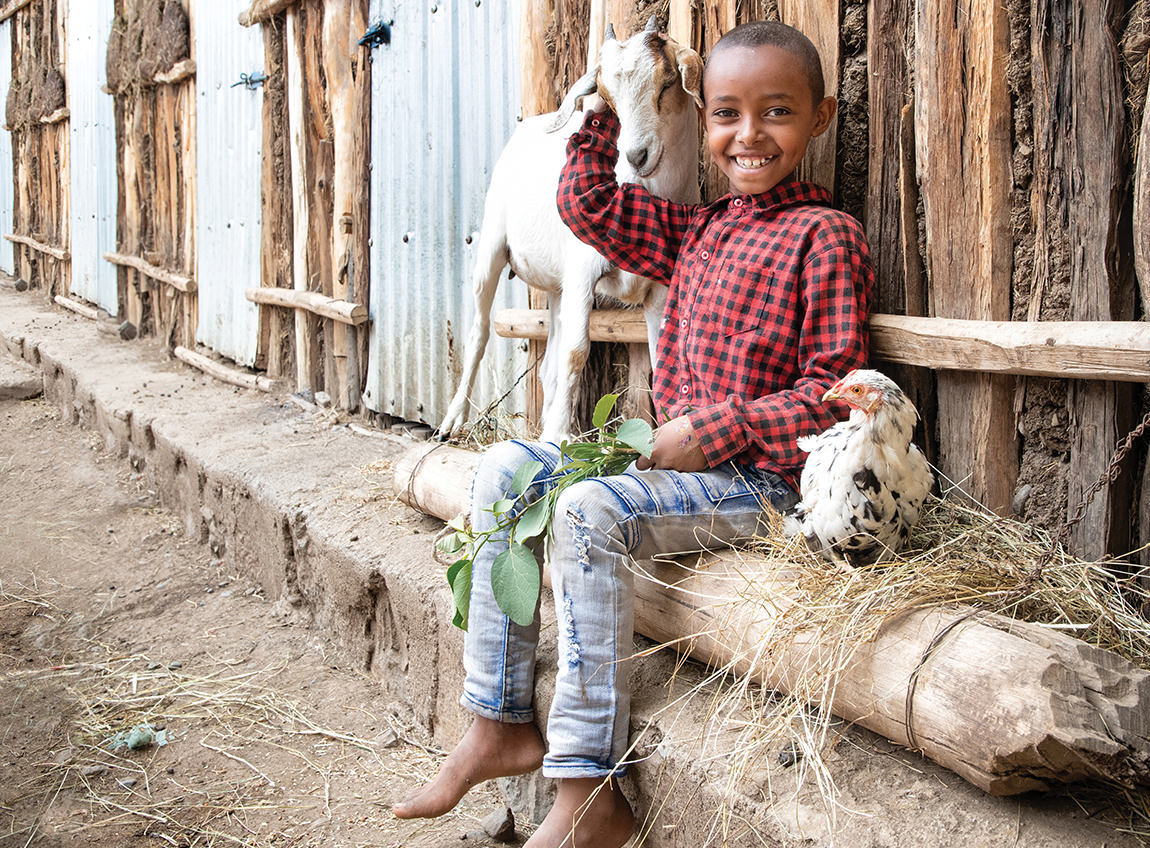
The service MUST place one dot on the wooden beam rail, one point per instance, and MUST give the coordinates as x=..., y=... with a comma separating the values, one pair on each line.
x=60, y=253
x=261, y=10
x=61, y=114
x=234, y=376
x=343, y=311
x=77, y=307
x=11, y=8
x=1080, y=350
x=177, y=73
x=178, y=281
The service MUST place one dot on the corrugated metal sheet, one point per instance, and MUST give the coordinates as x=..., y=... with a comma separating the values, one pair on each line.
x=92, y=139
x=228, y=144
x=445, y=97
x=7, y=187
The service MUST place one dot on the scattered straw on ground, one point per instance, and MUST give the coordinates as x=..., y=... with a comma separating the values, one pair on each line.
x=223, y=713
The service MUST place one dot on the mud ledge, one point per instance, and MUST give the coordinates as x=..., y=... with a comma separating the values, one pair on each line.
x=304, y=506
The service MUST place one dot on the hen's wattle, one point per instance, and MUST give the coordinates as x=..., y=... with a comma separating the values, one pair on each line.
x=864, y=482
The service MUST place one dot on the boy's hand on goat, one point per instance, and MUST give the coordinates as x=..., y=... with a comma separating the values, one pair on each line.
x=594, y=103
x=676, y=448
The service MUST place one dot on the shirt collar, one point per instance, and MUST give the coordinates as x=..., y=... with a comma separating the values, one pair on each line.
x=786, y=193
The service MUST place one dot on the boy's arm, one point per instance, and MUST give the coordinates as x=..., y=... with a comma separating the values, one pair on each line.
x=633, y=229
x=837, y=283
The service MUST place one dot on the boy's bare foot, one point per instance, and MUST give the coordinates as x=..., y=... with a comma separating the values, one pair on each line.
x=489, y=749
x=589, y=811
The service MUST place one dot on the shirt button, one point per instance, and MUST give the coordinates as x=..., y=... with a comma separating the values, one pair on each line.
x=685, y=389
x=683, y=323
x=594, y=122
x=738, y=201
x=703, y=254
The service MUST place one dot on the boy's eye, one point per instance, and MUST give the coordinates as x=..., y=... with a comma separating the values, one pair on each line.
x=724, y=113
x=778, y=112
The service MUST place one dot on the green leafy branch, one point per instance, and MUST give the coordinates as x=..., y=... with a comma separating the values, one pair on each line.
x=515, y=571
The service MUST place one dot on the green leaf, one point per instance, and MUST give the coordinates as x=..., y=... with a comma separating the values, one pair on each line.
x=515, y=582
x=458, y=523
x=636, y=433
x=459, y=578
x=502, y=506
x=584, y=450
x=533, y=520
x=603, y=411
x=452, y=543
x=525, y=476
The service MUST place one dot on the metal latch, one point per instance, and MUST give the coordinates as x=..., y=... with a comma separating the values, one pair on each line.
x=251, y=81
x=378, y=33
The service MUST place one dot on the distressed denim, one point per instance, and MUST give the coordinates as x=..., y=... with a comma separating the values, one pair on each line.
x=600, y=526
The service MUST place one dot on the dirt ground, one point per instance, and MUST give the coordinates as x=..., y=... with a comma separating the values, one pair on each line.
x=110, y=618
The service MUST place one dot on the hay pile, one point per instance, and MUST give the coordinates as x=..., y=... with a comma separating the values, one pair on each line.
x=959, y=555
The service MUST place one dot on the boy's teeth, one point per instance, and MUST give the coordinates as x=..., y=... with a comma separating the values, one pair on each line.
x=748, y=162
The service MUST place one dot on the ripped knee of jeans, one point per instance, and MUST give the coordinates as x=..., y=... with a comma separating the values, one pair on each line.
x=580, y=537
x=571, y=647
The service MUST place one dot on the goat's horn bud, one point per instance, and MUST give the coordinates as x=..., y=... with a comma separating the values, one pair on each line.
x=610, y=34
x=652, y=25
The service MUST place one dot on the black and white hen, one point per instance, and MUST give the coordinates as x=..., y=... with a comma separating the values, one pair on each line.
x=864, y=482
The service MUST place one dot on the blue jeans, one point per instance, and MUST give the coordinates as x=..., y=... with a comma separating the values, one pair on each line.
x=599, y=526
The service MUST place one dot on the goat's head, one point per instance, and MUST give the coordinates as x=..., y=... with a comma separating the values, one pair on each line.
x=648, y=80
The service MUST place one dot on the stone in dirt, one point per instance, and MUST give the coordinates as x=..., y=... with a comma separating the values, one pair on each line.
x=500, y=825
x=18, y=381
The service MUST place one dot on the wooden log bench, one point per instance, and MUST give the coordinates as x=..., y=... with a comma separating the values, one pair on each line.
x=1010, y=706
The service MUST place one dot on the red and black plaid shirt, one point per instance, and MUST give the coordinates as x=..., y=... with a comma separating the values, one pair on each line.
x=767, y=306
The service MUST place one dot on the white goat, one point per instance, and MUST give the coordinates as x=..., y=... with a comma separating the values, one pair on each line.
x=653, y=85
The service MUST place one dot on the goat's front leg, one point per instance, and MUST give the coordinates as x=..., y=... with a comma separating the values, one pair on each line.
x=572, y=347
x=489, y=262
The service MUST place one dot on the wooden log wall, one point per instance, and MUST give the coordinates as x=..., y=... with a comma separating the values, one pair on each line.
x=1011, y=202
x=37, y=117
x=149, y=74
x=1016, y=201
x=317, y=114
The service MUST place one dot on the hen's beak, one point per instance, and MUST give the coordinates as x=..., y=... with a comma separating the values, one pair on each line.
x=831, y=394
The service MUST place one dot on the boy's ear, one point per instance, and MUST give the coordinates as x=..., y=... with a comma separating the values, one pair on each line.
x=691, y=72
x=824, y=114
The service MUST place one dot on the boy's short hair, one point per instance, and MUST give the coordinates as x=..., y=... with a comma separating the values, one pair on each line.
x=775, y=34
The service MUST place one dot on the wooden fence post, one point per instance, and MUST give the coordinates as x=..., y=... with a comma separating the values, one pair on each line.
x=963, y=154
x=819, y=21
x=1079, y=126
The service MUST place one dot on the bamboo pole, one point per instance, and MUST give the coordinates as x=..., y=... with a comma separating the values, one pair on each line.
x=181, y=282
x=1011, y=707
x=342, y=311
x=1085, y=350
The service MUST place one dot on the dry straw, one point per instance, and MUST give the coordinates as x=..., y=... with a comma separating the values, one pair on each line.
x=959, y=555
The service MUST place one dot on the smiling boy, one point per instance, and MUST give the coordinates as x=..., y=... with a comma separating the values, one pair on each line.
x=767, y=305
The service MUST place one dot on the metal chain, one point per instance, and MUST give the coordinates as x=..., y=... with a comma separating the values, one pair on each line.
x=1108, y=476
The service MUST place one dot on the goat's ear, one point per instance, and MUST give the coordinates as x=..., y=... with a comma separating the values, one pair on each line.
x=691, y=71
x=583, y=86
